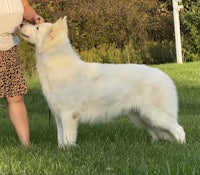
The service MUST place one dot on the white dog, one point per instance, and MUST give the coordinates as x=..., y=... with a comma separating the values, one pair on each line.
x=77, y=91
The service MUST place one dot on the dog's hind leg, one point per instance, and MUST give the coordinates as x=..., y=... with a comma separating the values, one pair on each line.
x=70, y=122
x=160, y=120
x=140, y=123
x=162, y=134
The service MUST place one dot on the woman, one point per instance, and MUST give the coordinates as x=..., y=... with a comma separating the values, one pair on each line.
x=12, y=81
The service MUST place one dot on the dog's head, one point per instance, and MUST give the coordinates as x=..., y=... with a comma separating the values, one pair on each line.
x=45, y=35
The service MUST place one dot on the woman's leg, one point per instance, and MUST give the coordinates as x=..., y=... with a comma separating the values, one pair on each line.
x=19, y=118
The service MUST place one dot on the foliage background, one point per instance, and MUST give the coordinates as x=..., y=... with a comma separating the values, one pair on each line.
x=191, y=29
x=121, y=31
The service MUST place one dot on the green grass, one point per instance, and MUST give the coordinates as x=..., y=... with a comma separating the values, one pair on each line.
x=114, y=148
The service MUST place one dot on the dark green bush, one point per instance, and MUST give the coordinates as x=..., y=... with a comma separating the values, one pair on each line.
x=158, y=52
x=120, y=22
x=191, y=30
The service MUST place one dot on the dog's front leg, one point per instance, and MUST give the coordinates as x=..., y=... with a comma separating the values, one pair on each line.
x=70, y=124
x=59, y=131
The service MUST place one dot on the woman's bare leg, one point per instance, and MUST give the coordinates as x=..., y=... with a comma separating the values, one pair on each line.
x=19, y=118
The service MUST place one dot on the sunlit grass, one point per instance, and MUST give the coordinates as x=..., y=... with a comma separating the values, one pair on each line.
x=114, y=148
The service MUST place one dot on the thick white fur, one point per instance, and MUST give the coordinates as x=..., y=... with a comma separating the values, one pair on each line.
x=77, y=91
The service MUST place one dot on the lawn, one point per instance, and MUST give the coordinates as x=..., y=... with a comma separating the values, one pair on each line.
x=114, y=148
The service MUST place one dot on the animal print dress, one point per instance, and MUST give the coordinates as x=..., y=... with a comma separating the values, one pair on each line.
x=12, y=80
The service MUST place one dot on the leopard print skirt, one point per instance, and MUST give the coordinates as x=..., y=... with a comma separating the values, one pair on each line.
x=12, y=79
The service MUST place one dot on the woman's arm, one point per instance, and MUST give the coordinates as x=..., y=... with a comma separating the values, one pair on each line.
x=30, y=14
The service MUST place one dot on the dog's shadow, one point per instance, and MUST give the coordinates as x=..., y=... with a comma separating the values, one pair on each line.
x=118, y=131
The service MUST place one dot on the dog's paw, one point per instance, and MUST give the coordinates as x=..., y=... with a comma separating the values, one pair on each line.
x=181, y=135
x=65, y=146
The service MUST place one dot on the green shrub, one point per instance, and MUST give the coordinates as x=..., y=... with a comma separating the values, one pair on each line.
x=119, y=22
x=111, y=54
x=191, y=30
x=150, y=53
x=158, y=53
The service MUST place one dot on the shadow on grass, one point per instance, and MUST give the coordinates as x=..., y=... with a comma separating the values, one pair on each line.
x=189, y=99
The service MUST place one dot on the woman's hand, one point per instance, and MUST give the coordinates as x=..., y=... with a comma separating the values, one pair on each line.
x=38, y=19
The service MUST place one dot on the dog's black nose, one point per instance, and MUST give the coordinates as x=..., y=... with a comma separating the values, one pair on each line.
x=21, y=25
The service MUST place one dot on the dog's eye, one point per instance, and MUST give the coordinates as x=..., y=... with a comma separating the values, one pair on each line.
x=37, y=28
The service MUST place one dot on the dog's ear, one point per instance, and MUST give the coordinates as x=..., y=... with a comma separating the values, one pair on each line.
x=59, y=27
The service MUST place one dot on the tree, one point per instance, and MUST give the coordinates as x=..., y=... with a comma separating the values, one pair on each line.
x=191, y=29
